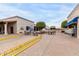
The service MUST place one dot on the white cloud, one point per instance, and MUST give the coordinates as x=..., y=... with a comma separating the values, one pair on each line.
x=51, y=16
x=6, y=11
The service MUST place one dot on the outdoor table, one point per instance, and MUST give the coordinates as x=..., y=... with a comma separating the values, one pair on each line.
x=50, y=32
x=35, y=33
x=27, y=32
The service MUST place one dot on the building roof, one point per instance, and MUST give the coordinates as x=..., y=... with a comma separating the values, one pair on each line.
x=16, y=17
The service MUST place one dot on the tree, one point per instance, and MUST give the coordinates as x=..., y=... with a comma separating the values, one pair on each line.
x=40, y=25
x=63, y=24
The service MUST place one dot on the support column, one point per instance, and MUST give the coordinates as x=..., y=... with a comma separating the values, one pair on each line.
x=78, y=29
x=5, y=29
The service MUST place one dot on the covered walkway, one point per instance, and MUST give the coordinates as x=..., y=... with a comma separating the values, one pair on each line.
x=73, y=25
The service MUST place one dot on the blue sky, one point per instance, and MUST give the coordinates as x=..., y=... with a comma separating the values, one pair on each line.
x=51, y=13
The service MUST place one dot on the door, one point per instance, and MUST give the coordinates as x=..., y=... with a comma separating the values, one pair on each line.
x=11, y=30
x=1, y=29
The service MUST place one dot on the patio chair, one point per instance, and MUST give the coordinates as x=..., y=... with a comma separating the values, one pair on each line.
x=35, y=33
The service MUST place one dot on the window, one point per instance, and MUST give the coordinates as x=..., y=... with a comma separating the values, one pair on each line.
x=27, y=27
x=35, y=28
x=0, y=29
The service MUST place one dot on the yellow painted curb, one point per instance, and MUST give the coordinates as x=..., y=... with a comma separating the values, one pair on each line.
x=18, y=49
x=8, y=37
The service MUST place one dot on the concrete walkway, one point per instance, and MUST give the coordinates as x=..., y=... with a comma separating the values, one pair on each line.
x=7, y=44
x=54, y=45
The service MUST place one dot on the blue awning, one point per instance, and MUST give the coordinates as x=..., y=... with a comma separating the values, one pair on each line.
x=72, y=21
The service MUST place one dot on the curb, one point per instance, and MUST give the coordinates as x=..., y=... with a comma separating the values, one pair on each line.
x=20, y=48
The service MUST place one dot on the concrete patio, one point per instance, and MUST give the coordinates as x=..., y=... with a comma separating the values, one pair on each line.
x=10, y=43
x=54, y=45
x=59, y=44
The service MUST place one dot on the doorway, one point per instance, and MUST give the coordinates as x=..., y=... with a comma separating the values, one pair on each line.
x=11, y=30
x=1, y=29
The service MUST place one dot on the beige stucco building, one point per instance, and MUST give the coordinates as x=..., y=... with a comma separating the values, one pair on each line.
x=74, y=13
x=15, y=25
x=73, y=18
